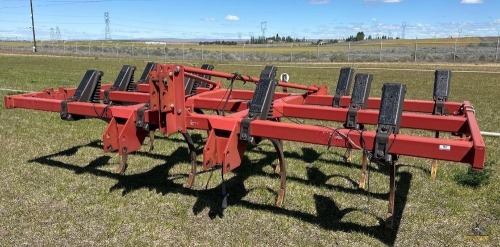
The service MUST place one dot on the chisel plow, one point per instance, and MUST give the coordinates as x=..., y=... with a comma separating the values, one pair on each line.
x=173, y=99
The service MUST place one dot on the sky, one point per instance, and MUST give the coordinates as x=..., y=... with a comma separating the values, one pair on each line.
x=240, y=19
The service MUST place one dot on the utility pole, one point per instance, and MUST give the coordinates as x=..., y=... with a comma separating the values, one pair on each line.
x=33, y=26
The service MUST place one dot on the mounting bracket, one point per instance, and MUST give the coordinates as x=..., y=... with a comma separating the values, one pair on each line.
x=123, y=82
x=88, y=91
x=343, y=85
x=191, y=84
x=262, y=102
x=391, y=110
x=360, y=93
x=442, y=80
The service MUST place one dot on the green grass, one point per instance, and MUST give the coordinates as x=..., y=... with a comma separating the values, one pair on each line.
x=57, y=187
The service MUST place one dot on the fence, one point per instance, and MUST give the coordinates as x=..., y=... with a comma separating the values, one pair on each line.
x=369, y=51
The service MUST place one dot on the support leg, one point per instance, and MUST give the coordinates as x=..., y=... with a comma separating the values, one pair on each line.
x=123, y=164
x=278, y=145
x=389, y=224
x=151, y=140
x=434, y=164
x=192, y=155
x=277, y=168
x=348, y=155
x=434, y=167
x=364, y=174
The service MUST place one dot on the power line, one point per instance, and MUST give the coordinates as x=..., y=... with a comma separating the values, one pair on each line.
x=58, y=3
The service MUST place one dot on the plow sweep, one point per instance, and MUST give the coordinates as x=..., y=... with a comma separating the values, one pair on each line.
x=174, y=99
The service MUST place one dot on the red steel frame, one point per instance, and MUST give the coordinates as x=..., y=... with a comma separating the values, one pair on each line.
x=171, y=111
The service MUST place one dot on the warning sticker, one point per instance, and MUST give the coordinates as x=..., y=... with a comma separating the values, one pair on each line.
x=445, y=147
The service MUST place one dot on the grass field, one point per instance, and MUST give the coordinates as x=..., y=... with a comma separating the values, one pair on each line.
x=57, y=187
x=269, y=48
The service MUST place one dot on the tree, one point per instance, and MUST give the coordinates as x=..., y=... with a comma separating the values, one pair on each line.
x=360, y=36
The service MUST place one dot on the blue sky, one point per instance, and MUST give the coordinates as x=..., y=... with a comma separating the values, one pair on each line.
x=230, y=19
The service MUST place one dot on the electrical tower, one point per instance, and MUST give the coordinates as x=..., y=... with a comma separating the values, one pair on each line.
x=403, y=30
x=52, y=34
x=107, y=31
x=58, y=34
x=263, y=28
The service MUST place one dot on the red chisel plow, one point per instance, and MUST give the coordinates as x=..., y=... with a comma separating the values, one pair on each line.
x=175, y=99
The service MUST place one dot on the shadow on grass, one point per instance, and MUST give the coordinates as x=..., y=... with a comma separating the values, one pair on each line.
x=328, y=215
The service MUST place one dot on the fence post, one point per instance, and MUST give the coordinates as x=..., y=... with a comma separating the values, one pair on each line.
x=183, y=52
x=291, y=46
x=380, y=55
x=496, y=53
x=202, y=58
x=64, y=47
x=89, y=48
x=165, y=51
x=243, y=52
x=76, y=47
x=116, y=49
x=349, y=52
x=267, y=52
x=317, y=50
x=415, y=59
x=455, y=50
x=221, y=52
x=147, y=49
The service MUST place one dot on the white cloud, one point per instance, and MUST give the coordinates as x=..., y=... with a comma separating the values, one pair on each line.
x=232, y=18
x=209, y=19
x=471, y=1
x=319, y=1
x=372, y=2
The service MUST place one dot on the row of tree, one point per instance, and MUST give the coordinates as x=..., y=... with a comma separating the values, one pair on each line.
x=218, y=42
x=361, y=36
x=274, y=39
x=288, y=39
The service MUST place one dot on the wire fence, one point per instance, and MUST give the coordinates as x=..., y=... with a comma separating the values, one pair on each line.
x=374, y=51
